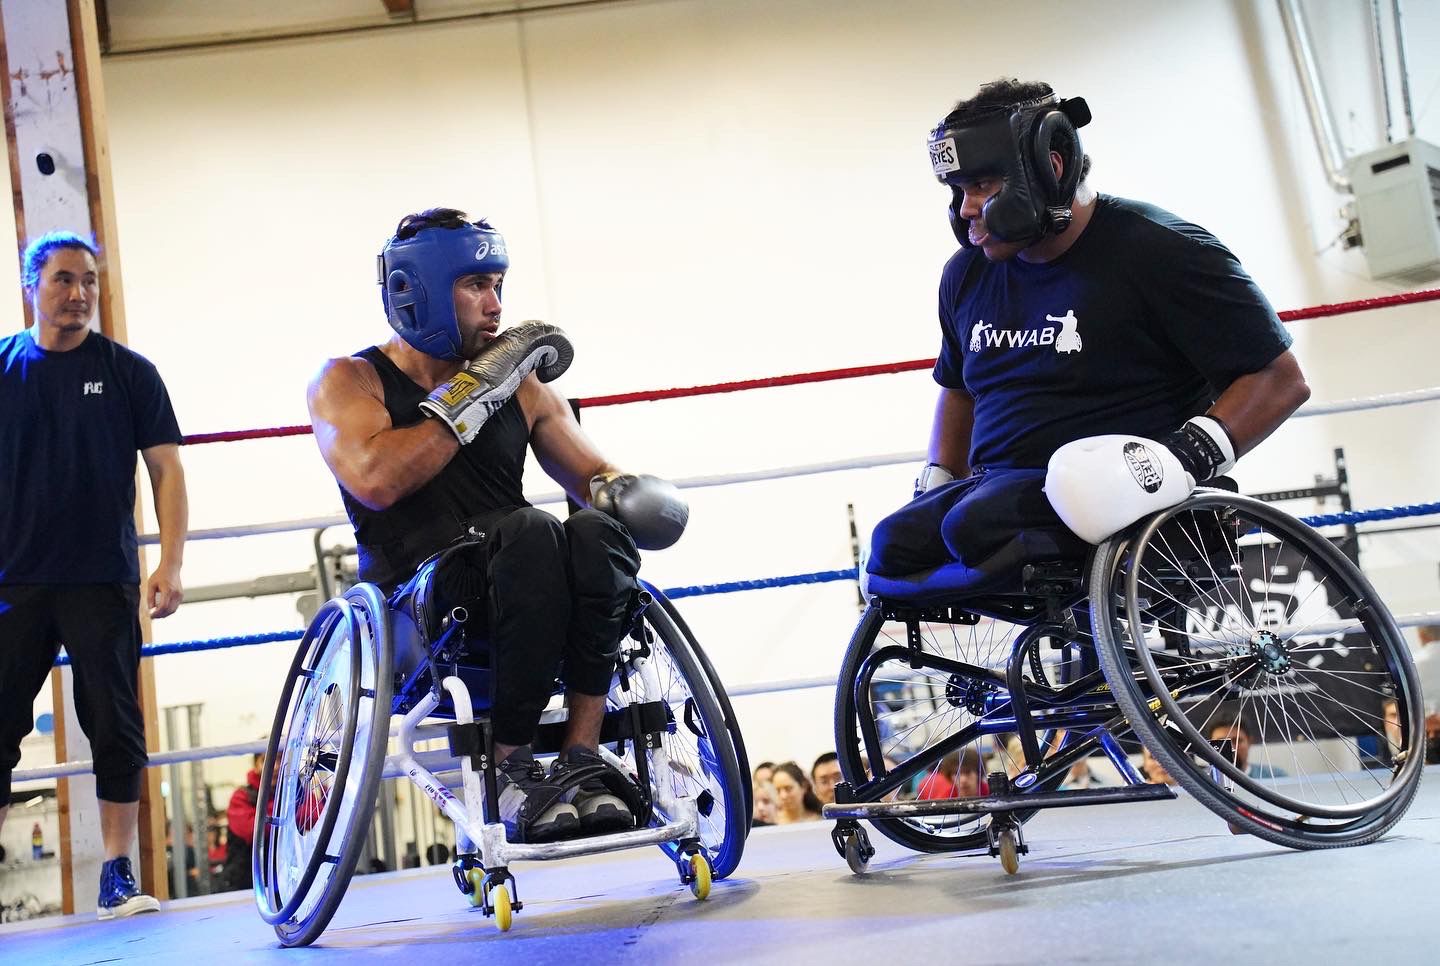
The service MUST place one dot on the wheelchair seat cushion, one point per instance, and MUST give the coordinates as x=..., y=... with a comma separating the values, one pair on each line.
x=1000, y=573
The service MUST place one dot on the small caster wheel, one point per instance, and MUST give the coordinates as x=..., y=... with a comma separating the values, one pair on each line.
x=699, y=876
x=473, y=878
x=1009, y=855
x=500, y=898
x=857, y=856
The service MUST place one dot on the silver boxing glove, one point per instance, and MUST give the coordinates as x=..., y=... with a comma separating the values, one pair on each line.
x=467, y=399
x=652, y=509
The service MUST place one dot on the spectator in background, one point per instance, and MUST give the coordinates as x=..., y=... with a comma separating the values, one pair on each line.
x=1427, y=661
x=1234, y=731
x=1153, y=771
x=764, y=811
x=940, y=783
x=824, y=774
x=240, y=835
x=969, y=782
x=795, y=800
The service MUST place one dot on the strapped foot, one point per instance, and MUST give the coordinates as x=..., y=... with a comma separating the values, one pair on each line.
x=606, y=799
x=530, y=806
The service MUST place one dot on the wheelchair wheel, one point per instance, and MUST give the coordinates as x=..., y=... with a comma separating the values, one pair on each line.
x=909, y=708
x=322, y=769
x=1225, y=609
x=700, y=753
x=732, y=724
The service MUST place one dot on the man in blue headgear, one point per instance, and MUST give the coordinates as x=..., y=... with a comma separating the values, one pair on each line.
x=1099, y=357
x=427, y=435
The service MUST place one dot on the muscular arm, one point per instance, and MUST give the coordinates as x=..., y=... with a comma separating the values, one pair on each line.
x=950, y=432
x=375, y=462
x=564, y=451
x=1255, y=405
x=163, y=591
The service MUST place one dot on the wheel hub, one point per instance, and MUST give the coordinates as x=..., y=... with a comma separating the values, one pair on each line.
x=1271, y=653
x=967, y=693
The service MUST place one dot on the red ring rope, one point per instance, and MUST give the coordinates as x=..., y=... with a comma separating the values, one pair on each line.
x=854, y=372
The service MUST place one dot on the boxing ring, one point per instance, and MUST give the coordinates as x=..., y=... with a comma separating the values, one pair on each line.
x=791, y=897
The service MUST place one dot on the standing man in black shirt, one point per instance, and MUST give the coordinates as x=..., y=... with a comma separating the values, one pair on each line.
x=427, y=436
x=75, y=407
x=1066, y=316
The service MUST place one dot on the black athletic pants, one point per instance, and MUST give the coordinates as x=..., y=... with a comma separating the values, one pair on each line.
x=99, y=624
x=554, y=596
x=965, y=520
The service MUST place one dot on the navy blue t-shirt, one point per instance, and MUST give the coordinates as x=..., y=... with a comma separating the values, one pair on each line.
x=1140, y=325
x=71, y=424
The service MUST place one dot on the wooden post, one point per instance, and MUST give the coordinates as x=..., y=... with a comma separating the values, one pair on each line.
x=55, y=125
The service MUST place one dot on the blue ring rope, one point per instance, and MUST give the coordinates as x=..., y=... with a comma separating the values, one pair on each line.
x=736, y=586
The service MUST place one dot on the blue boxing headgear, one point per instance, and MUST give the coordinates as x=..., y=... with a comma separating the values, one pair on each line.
x=417, y=280
x=1013, y=143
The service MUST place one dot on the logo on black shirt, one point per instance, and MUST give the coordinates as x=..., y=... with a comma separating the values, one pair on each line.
x=1065, y=338
x=93, y=389
x=1144, y=466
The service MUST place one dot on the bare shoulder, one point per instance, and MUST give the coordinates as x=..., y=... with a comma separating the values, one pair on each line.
x=345, y=376
x=540, y=401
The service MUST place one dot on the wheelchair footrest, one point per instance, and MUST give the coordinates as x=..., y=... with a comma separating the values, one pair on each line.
x=999, y=803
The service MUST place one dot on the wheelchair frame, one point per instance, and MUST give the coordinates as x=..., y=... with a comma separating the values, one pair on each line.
x=361, y=623
x=1095, y=708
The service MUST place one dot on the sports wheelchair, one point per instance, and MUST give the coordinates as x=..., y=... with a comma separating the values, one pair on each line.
x=668, y=725
x=1220, y=609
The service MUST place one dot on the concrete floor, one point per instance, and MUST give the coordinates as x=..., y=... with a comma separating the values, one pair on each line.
x=1160, y=882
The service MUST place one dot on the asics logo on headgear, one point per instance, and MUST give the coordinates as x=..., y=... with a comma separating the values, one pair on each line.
x=489, y=248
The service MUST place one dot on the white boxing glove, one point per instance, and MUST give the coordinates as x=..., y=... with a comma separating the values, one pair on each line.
x=1102, y=484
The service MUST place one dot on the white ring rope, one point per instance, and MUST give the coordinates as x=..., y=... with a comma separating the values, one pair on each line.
x=1383, y=401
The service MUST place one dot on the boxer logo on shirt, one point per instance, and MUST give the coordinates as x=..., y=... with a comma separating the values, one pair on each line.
x=1065, y=338
x=93, y=389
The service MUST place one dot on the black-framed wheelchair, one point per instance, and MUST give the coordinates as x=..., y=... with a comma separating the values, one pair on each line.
x=668, y=725
x=1221, y=609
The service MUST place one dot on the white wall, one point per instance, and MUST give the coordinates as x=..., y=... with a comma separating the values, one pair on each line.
x=698, y=192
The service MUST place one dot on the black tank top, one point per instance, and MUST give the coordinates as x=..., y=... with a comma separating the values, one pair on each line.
x=475, y=489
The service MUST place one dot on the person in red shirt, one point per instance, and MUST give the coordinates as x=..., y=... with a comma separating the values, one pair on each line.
x=240, y=838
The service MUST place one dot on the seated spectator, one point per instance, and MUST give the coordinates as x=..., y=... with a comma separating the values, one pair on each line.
x=1427, y=662
x=824, y=774
x=970, y=776
x=795, y=801
x=1234, y=731
x=940, y=783
x=764, y=772
x=764, y=811
x=1152, y=770
x=240, y=833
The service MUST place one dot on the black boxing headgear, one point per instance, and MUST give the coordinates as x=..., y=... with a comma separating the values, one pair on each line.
x=1013, y=143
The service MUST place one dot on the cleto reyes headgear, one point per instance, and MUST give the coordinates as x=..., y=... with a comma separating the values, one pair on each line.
x=417, y=279
x=1013, y=143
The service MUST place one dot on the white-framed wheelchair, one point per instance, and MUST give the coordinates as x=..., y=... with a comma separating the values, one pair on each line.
x=363, y=659
x=1050, y=652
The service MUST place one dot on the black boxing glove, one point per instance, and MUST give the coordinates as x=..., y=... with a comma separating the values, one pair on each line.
x=1204, y=447
x=652, y=509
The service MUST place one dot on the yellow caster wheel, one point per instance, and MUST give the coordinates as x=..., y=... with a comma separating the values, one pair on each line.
x=474, y=876
x=700, y=869
x=1009, y=855
x=503, y=916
